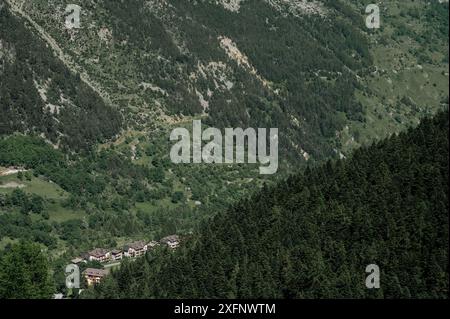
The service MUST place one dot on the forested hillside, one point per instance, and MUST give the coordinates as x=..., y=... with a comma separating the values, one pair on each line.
x=86, y=114
x=313, y=235
x=313, y=70
x=40, y=95
x=259, y=67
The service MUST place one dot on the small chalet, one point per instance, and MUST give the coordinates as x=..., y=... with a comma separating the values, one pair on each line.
x=172, y=241
x=99, y=254
x=135, y=249
x=116, y=255
x=77, y=260
x=94, y=276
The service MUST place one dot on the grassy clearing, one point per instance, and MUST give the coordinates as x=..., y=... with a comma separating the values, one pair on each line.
x=61, y=214
x=54, y=195
x=36, y=186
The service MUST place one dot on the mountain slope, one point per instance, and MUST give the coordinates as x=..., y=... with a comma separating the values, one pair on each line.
x=266, y=65
x=313, y=235
x=40, y=95
x=136, y=69
x=310, y=68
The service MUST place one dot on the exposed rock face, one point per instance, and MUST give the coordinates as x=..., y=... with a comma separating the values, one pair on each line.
x=240, y=58
x=295, y=7
x=232, y=5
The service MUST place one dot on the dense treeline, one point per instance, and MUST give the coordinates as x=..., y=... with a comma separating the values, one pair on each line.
x=25, y=273
x=27, y=203
x=22, y=226
x=28, y=151
x=313, y=235
x=39, y=94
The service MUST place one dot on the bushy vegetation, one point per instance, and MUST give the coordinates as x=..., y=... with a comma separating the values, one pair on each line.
x=25, y=273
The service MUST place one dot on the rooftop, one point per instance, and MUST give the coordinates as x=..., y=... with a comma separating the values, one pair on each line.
x=137, y=245
x=95, y=272
x=77, y=260
x=98, y=252
x=170, y=239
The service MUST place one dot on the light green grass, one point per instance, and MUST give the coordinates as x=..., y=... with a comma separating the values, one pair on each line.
x=36, y=186
x=61, y=214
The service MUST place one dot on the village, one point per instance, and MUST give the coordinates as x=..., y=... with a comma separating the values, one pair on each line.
x=113, y=257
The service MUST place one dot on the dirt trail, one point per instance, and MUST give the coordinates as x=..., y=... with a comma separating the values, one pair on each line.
x=12, y=185
x=17, y=8
x=11, y=171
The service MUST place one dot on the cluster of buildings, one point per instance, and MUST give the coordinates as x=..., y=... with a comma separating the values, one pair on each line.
x=132, y=250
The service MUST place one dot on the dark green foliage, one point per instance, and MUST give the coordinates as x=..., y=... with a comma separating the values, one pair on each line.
x=313, y=235
x=27, y=151
x=309, y=237
x=24, y=273
x=83, y=118
x=16, y=222
x=177, y=197
x=437, y=21
x=85, y=176
x=310, y=63
x=26, y=203
x=295, y=55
